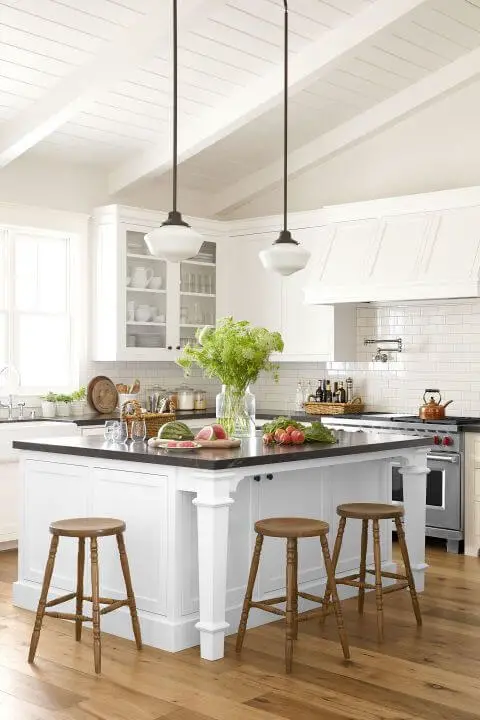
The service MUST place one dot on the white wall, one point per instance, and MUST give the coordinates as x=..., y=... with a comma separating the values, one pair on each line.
x=436, y=148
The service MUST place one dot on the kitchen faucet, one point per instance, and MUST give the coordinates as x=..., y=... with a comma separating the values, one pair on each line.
x=9, y=405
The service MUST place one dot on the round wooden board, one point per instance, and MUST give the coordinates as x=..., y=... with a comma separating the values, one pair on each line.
x=102, y=394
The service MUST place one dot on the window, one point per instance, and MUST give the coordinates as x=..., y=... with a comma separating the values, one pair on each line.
x=36, y=309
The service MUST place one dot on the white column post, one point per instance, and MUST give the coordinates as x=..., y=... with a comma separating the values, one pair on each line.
x=213, y=504
x=414, y=501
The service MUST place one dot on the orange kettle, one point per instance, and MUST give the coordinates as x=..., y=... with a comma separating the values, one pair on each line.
x=432, y=409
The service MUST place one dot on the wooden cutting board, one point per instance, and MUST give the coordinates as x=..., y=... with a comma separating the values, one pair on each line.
x=102, y=394
x=220, y=444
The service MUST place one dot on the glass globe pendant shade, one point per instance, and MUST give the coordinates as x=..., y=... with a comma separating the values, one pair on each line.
x=174, y=242
x=285, y=256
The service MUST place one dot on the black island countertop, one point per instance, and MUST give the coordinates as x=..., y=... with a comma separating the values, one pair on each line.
x=252, y=451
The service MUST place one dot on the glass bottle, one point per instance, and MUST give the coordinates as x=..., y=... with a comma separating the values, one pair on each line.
x=299, y=394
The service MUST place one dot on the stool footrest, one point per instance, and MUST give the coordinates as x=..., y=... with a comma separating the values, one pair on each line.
x=312, y=598
x=68, y=616
x=60, y=600
x=113, y=606
x=385, y=573
x=397, y=586
x=275, y=600
x=355, y=583
x=268, y=608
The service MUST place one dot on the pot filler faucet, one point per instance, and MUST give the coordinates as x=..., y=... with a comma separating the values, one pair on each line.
x=6, y=371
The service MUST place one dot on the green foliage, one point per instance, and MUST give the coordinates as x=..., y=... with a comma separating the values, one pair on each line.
x=49, y=397
x=79, y=394
x=233, y=352
x=64, y=398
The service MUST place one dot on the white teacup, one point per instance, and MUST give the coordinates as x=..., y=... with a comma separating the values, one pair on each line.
x=155, y=282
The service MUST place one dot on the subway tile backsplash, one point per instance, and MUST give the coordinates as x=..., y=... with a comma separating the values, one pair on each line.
x=441, y=349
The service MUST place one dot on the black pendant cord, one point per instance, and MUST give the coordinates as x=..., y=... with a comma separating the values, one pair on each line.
x=175, y=104
x=174, y=217
x=285, y=120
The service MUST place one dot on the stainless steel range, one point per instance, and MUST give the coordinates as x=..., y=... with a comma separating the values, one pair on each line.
x=445, y=482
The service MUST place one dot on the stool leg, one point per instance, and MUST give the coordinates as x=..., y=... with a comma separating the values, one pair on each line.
x=336, y=554
x=95, y=605
x=290, y=617
x=130, y=594
x=47, y=578
x=408, y=569
x=333, y=590
x=80, y=573
x=295, y=594
x=378, y=577
x=363, y=565
x=249, y=592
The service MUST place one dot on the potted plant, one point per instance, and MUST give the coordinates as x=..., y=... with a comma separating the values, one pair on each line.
x=78, y=401
x=235, y=353
x=63, y=405
x=49, y=405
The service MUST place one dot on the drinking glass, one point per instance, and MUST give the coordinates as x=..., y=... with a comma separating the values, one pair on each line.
x=109, y=429
x=138, y=430
x=120, y=432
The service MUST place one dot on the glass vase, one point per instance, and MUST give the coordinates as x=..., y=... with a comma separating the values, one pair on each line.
x=235, y=411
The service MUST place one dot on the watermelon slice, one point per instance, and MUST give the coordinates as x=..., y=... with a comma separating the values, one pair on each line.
x=220, y=432
x=206, y=433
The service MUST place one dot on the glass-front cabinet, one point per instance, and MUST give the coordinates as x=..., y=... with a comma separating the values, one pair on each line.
x=145, y=308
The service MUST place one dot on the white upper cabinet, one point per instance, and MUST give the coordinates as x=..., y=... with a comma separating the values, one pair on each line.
x=310, y=333
x=145, y=308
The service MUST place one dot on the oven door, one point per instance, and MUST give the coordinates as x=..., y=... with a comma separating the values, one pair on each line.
x=444, y=490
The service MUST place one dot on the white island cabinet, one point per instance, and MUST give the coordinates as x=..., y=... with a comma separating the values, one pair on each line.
x=190, y=520
x=144, y=308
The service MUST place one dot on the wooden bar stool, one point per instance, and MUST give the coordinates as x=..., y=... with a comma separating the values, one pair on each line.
x=291, y=529
x=374, y=512
x=82, y=528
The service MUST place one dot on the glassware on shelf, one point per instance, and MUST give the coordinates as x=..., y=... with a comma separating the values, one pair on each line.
x=197, y=315
x=184, y=315
x=192, y=283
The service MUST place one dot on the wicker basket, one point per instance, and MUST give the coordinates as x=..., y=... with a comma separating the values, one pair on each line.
x=322, y=408
x=153, y=421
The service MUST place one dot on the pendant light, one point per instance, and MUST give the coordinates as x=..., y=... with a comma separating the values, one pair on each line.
x=285, y=256
x=174, y=240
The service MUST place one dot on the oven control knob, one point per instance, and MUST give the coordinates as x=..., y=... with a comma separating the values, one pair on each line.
x=437, y=440
x=447, y=441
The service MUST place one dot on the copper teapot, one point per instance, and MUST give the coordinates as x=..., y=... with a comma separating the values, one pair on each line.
x=432, y=410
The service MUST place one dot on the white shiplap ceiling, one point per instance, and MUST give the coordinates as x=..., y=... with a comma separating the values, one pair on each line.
x=90, y=81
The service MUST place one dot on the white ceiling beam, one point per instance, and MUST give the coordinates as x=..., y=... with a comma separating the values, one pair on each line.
x=350, y=133
x=256, y=99
x=72, y=94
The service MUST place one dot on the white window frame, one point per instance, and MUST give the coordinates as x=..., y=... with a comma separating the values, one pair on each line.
x=74, y=309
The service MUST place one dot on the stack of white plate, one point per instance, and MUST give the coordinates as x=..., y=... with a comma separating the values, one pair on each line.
x=149, y=341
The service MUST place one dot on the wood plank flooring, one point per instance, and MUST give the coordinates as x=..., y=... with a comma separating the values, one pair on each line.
x=432, y=673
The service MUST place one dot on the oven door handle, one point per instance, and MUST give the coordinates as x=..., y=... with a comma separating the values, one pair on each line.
x=444, y=458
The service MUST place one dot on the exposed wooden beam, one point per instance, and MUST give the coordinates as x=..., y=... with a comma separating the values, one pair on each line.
x=259, y=97
x=72, y=93
x=350, y=133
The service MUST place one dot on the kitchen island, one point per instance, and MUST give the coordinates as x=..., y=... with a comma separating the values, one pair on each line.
x=190, y=519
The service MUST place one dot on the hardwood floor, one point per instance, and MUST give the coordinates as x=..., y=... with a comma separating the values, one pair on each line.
x=432, y=673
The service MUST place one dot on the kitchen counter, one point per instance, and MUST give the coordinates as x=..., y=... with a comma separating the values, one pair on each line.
x=252, y=451
x=190, y=520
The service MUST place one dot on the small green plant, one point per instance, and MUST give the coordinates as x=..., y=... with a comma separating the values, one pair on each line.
x=64, y=398
x=49, y=397
x=79, y=394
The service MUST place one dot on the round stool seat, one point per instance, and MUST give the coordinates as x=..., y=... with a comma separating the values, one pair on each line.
x=370, y=511
x=87, y=527
x=291, y=527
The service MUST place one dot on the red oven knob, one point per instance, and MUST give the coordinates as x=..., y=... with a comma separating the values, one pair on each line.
x=437, y=440
x=447, y=441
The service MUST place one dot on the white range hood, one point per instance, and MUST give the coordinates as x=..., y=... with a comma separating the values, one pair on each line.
x=401, y=255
